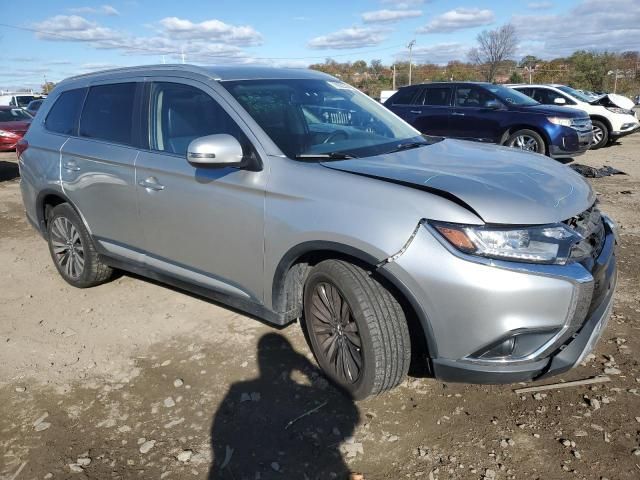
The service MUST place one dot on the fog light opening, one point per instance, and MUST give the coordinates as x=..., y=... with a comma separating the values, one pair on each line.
x=503, y=349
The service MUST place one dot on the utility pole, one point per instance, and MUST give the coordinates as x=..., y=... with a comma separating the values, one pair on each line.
x=410, y=47
x=615, y=80
x=394, y=77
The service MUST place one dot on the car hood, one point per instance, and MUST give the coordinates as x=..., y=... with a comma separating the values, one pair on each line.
x=551, y=110
x=501, y=185
x=613, y=100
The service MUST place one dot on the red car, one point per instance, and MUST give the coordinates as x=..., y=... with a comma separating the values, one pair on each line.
x=13, y=125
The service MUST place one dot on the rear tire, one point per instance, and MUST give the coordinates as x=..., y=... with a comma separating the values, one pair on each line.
x=527, y=140
x=600, y=134
x=356, y=329
x=72, y=249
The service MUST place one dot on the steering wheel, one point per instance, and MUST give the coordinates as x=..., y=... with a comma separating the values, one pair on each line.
x=335, y=135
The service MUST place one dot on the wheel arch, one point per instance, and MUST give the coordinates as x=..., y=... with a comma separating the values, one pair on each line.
x=604, y=120
x=540, y=131
x=292, y=270
x=48, y=199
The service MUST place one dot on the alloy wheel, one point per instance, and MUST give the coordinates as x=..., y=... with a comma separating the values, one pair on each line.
x=525, y=142
x=67, y=247
x=598, y=134
x=336, y=332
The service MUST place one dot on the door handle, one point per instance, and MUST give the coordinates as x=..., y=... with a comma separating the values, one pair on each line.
x=416, y=111
x=151, y=183
x=459, y=114
x=71, y=165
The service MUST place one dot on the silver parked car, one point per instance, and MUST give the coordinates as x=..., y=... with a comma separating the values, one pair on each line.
x=290, y=195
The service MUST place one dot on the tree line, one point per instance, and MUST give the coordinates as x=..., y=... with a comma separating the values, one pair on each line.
x=493, y=60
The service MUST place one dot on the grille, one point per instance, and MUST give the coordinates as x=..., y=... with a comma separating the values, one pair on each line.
x=590, y=226
x=582, y=124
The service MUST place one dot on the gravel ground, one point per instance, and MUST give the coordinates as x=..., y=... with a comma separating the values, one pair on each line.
x=133, y=379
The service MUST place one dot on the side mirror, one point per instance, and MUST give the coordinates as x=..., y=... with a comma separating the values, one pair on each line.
x=493, y=105
x=559, y=101
x=219, y=150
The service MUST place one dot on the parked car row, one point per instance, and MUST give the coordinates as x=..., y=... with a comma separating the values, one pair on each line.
x=555, y=120
x=16, y=113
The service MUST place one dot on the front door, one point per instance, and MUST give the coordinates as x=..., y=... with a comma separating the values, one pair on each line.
x=202, y=224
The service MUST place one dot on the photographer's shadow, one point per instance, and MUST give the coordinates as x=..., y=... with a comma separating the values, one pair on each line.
x=274, y=427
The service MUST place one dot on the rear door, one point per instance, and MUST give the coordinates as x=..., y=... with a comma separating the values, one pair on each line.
x=434, y=107
x=471, y=118
x=97, y=165
x=403, y=104
x=202, y=224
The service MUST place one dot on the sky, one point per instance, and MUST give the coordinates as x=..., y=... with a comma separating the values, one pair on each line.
x=57, y=39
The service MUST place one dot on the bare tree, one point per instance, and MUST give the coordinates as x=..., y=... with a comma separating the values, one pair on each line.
x=494, y=47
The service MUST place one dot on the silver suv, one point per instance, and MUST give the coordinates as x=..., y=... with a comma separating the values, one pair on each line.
x=290, y=195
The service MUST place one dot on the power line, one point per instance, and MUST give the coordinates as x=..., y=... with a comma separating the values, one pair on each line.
x=156, y=51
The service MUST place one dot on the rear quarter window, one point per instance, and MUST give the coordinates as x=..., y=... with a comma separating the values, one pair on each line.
x=108, y=113
x=63, y=116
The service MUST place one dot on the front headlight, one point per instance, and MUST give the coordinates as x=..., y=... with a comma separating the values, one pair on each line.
x=565, y=122
x=550, y=244
x=622, y=111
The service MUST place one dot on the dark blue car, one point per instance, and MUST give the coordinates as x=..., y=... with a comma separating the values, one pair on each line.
x=491, y=113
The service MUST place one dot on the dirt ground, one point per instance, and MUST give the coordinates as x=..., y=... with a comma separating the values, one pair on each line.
x=136, y=380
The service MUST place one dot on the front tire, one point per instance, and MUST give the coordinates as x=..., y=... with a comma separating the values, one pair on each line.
x=72, y=249
x=357, y=330
x=600, y=134
x=527, y=140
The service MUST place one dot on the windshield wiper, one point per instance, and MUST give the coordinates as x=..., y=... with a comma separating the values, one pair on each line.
x=325, y=156
x=408, y=146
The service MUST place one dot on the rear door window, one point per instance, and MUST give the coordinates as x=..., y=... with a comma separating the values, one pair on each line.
x=108, y=113
x=404, y=96
x=436, y=96
x=63, y=116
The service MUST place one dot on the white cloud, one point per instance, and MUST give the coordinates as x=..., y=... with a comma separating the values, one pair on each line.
x=389, y=16
x=73, y=27
x=439, y=54
x=207, y=42
x=102, y=10
x=404, y=3
x=354, y=37
x=459, y=19
x=613, y=25
x=211, y=31
x=540, y=5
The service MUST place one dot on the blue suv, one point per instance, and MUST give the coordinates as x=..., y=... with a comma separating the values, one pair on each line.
x=491, y=113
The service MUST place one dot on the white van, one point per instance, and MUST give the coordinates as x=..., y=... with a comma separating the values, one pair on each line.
x=20, y=100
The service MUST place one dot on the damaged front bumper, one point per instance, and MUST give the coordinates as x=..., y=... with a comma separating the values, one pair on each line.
x=548, y=316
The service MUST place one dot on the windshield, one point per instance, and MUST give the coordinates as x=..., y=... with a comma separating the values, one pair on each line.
x=575, y=93
x=306, y=117
x=13, y=115
x=23, y=100
x=511, y=96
